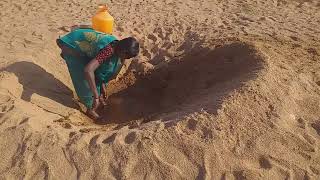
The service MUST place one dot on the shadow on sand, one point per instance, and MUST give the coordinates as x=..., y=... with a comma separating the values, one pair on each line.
x=37, y=80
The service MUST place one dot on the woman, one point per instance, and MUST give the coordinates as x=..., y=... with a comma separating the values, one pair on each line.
x=93, y=59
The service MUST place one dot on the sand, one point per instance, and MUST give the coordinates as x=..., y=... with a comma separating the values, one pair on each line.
x=220, y=90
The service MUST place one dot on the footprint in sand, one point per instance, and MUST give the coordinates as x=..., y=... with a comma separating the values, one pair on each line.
x=316, y=126
x=93, y=144
x=71, y=134
x=66, y=125
x=192, y=124
x=93, y=140
x=246, y=18
x=6, y=104
x=207, y=133
x=312, y=51
x=86, y=130
x=314, y=170
x=301, y=123
x=130, y=138
x=242, y=175
x=152, y=37
x=309, y=138
x=294, y=38
x=264, y=162
x=110, y=139
x=25, y=120
x=170, y=124
x=6, y=108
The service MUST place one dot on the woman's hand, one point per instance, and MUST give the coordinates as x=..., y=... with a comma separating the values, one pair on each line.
x=103, y=99
x=96, y=104
x=103, y=95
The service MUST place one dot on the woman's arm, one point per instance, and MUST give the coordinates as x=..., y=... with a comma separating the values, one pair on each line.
x=103, y=56
x=90, y=77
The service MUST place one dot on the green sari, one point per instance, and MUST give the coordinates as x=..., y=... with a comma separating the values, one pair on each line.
x=88, y=43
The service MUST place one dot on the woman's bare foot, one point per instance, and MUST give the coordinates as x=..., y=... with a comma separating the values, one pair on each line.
x=93, y=114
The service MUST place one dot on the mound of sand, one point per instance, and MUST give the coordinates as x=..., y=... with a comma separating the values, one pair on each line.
x=220, y=90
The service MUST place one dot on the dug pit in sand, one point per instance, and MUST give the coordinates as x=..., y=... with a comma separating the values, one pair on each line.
x=198, y=81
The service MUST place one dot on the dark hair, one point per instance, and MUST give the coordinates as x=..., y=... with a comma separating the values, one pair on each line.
x=129, y=46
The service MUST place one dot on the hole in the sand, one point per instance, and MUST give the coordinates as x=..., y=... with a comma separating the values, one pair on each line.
x=197, y=81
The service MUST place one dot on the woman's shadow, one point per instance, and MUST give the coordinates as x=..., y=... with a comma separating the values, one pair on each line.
x=37, y=80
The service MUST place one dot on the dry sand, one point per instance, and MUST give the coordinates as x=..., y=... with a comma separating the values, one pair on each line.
x=221, y=90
